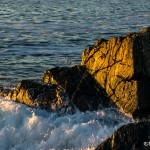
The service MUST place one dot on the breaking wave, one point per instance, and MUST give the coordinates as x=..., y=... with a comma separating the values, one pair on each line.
x=26, y=128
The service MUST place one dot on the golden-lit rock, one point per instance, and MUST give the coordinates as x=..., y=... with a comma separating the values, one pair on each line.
x=37, y=94
x=121, y=65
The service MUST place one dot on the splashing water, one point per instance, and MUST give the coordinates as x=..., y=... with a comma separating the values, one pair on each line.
x=25, y=128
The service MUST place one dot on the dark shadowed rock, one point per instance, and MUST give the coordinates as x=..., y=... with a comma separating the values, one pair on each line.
x=62, y=88
x=82, y=89
x=4, y=91
x=121, y=65
x=134, y=136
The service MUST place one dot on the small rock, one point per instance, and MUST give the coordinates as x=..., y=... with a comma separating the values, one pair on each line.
x=37, y=94
x=134, y=136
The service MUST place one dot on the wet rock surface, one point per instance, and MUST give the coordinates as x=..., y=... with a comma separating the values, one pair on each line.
x=134, y=136
x=37, y=94
x=82, y=89
x=113, y=72
x=121, y=65
x=62, y=88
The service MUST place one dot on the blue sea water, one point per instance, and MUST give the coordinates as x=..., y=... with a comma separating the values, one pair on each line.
x=23, y=128
x=39, y=34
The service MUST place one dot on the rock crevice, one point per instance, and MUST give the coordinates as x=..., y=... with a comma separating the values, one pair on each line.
x=115, y=71
x=122, y=66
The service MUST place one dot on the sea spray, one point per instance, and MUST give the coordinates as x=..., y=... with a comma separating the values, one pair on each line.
x=25, y=128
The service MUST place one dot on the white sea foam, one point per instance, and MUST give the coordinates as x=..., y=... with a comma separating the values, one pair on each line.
x=24, y=128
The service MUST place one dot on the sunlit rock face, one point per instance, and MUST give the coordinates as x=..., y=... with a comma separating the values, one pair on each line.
x=37, y=94
x=112, y=71
x=128, y=137
x=81, y=88
x=121, y=65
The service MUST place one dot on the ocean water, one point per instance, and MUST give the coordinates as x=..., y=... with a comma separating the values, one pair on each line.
x=24, y=128
x=36, y=35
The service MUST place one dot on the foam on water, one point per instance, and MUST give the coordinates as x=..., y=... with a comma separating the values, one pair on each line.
x=25, y=128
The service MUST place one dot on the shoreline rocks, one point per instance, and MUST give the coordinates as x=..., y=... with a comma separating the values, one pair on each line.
x=133, y=136
x=82, y=89
x=113, y=72
x=121, y=66
x=37, y=94
x=62, y=88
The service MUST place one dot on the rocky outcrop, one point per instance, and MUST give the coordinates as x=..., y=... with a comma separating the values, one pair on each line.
x=62, y=88
x=116, y=69
x=121, y=66
x=81, y=88
x=112, y=72
x=134, y=136
x=37, y=94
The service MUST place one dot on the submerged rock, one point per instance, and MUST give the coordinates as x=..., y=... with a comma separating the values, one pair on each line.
x=121, y=66
x=82, y=89
x=134, y=136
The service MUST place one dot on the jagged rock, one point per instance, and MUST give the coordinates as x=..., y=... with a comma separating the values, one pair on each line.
x=82, y=89
x=134, y=136
x=37, y=94
x=4, y=91
x=62, y=88
x=121, y=65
